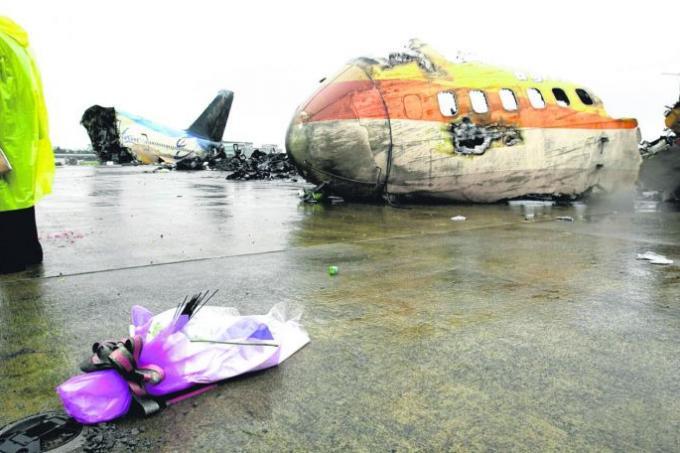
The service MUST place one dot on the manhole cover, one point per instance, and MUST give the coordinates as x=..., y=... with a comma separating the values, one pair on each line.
x=50, y=431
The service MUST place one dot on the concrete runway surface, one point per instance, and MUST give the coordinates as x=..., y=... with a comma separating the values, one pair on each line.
x=494, y=333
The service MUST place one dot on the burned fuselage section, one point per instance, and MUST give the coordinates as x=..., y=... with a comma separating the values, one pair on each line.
x=416, y=124
x=470, y=138
x=101, y=124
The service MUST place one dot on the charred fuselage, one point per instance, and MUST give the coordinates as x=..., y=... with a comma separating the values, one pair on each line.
x=417, y=124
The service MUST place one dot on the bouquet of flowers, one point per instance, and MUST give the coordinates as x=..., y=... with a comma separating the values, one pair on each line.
x=177, y=354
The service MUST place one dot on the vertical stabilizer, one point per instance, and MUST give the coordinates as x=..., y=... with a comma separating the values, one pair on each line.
x=210, y=125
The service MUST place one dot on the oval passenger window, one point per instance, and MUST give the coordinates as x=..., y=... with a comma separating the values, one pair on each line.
x=535, y=98
x=508, y=99
x=478, y=101
x=412, y=106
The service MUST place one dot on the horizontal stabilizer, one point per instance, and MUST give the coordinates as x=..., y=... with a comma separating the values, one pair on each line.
x=210, y=125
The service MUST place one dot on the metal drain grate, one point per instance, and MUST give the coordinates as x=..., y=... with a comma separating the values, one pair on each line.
x=49, y=431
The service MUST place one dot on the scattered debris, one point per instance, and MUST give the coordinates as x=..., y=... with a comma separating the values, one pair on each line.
x=459, y=218
x=104, y=436
x=565, y=218
x=654, y=258
x=661, y=159
x=162, y=168
x=529, y=216
x=648, y=201
x=661, y=144
x=320, y=194
x=311, y=196
x=144, y=366
x=259, y=165
x=56, y=431
x=528, y=202
x=332, y=270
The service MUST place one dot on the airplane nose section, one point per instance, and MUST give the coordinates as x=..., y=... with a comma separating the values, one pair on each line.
x=341, y=135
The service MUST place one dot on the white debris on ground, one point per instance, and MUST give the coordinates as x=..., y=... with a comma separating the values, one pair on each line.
x=459, y=218
x=531, y=203
x=654, y=258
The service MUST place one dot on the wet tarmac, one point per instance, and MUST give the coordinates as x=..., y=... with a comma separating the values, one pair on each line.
x=493, y=333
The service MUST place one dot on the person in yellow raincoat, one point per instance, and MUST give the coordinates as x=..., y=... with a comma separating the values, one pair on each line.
x=24, y=141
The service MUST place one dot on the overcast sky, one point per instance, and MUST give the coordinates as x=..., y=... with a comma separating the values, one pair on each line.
x=165, y=60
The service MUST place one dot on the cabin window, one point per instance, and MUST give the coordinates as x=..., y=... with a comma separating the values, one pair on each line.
x=560, y=97
x=413, y=107
x=478, y=101
x=536, y=98
x=584, y=96
x=508, y=99
x=447, y=103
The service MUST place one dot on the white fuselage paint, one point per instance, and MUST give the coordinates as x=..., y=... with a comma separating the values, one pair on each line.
x=548, y=161
x=150, y=146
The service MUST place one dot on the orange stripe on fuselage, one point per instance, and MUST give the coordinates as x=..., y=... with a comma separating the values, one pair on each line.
x=360, y=100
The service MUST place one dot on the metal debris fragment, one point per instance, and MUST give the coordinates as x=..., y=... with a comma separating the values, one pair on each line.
x=653, y=258
x=661, y=158
x=320, y=194
x=661, y=144
x=411, y=52
x=526, y=202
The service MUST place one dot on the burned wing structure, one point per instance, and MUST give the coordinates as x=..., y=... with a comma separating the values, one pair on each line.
x=417, y=124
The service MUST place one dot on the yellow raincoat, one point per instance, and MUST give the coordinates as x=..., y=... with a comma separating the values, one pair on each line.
x=23, y=123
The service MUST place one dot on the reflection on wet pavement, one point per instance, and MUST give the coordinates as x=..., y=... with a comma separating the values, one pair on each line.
x=497, y=332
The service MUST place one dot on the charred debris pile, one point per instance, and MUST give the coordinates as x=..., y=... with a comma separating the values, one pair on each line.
x=259, y=165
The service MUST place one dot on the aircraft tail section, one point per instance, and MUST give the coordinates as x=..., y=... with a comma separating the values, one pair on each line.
x=210, y=125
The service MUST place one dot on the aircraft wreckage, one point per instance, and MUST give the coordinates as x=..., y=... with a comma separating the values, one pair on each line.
x=417, y=124
x=126, y=138
x=123, y=137
x=660, y=169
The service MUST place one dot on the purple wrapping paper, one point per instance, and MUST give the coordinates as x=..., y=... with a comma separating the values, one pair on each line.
x=189, y=352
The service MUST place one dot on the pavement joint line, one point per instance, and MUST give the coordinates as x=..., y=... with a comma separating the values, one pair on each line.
x=271, y=252
x=267, y=252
